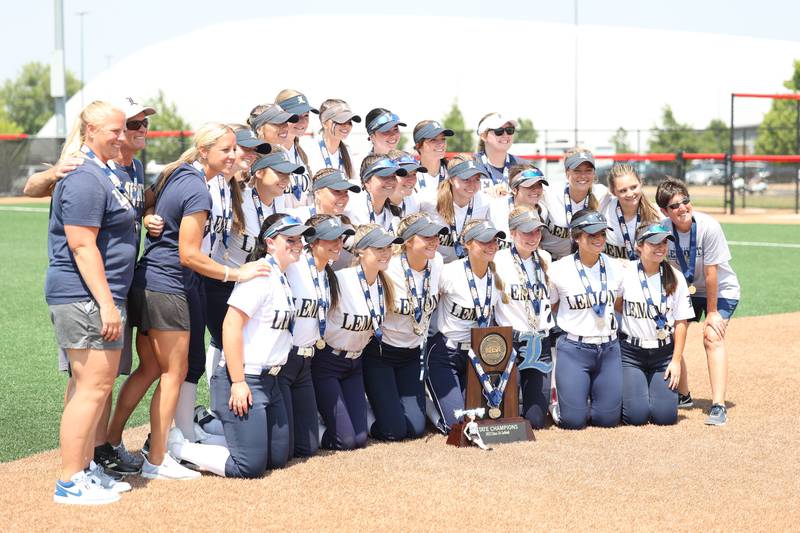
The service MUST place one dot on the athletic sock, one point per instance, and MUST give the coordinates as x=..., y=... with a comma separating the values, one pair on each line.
x=208, y=456
x=184, y=412
x=213, y=355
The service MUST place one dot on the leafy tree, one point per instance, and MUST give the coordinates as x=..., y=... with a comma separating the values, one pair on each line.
x=165, y=149
x=620, y=141
x=777, y=133
x=26, y=99
x=462, y=141
x=526, y=133
x=715, y=138
x=6, y=124
x=672, y=136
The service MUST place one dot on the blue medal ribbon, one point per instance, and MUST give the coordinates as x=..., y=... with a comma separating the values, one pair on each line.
x=687, y=269
x=286, y=290
x=258, y=204
x=600, y=302
x=227, y=214
x=568, y=204
x=630, y=249
x=377, y=320
x=493, y=394
x=661, y=310
x=109, y=174
x=418, y=316
x=482, y=312
x=326, y=156
x=458, y=246
x=323, y=297
x=489, y=167
x=538, y=275
x=371, y=211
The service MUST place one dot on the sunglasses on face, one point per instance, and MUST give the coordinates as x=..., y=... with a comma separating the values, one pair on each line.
x=137, y=124
x=508, y=129
x=676, y=205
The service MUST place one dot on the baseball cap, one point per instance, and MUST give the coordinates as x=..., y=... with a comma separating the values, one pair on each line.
x=590, y=222
x=340, y=113
x=336, y=181
x=331, y=229
x=297, y=105
x=584, y=156
x=526, y=221
x=377, y=238
x=483, y=232
x=290, y=226
x=465, y=170
x=383, y=167
x=494, y=121
x=278, y=161
x=430, y=131
x=131, y=108
x=273, y=114
x=409, y=164
x=654, y=234
x=384, y=122
x=245, y=137
x=527, y=178
x=424, y=227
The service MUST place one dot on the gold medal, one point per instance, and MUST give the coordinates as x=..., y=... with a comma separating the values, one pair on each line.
x=495, y=412
x=692, y=289
x=662, y=334
x=320, y=344
x=226, y=256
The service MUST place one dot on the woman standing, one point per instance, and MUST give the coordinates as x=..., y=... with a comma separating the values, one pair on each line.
x=257, y=334
x=336, y=368
x=496, y=135
x=328, y=148
x=584, y=286
x=383, y=128
x=430, y=142
x=629, y=207
x=527, y=190
x=655, y=307
x=92, y=242
x=524, y=268
x=296, y=103
x=315, y=291
x=701, y=251
x=578, y=193
x=271, y=123
x=166, y=283
x=469, y=290
x=457, y=201
x=373, y=205
x=392, y=366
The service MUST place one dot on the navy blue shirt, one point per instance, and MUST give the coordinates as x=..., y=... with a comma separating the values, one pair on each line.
x=159, y=269
x=135, y=191
x=86, y=197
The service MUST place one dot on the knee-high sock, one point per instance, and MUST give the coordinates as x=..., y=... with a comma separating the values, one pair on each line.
x=207, y=456
x=184, y=412
x=213, y=355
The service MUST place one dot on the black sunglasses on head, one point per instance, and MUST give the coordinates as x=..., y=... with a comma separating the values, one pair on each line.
x=676, y=205
x=136, y=124
x=499, y=131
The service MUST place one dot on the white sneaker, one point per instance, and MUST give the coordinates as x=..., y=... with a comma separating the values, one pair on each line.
x=169, y=469
x=98, y=476
x=79, y=490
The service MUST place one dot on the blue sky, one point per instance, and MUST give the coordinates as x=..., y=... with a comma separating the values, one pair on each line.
x=114, y=29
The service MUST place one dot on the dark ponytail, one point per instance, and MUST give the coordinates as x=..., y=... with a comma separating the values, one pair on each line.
x=668, y=278
x=260, y=248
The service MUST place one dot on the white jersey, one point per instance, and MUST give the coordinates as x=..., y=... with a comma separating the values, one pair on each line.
x=638, y=319
x=457, y=314
x=266, y=336
x=517, y=311
x=359, y=208
x=319, y=157
x=398, y=328
x=430, y=182
x=350, y=326
x=480, y=210
x=556, y=238
x=301, y=180
x=712, y=249
x=306, y=327
x=615, y=240
x=575, y=313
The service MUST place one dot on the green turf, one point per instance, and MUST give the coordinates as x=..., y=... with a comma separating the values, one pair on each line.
x=31, y=390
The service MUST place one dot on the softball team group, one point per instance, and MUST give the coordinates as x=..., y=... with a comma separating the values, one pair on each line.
x=339, y=289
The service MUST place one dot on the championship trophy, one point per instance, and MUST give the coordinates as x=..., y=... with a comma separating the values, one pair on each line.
x=491, y=389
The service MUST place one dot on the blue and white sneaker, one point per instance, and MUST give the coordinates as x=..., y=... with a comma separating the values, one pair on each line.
x=717, y=416
x=98, y=475
x=80, y=490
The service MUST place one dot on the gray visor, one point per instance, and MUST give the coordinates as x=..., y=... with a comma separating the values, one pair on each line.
x=247, y=138
x=278, y=161
x=430, y=131
x=331, y=229
x=298, y=105
x=273, y=114
x=424, y=227
x=377, y=238
x=483, y=232
x=339, y=113
x=335, y=181
x=654, y=234
x=573, y=161
x=466, y=170
x=525, y=222
x=591, y=222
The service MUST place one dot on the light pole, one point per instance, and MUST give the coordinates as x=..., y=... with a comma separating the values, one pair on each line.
x=57, y=86
x=81, y=14
x=575, y=104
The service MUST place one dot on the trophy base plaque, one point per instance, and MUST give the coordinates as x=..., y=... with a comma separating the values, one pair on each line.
x=513, y=429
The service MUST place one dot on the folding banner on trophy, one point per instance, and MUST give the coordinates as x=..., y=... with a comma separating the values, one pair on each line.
x=492, y=390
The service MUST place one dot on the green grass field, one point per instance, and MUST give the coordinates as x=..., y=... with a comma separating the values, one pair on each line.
x=31, y=389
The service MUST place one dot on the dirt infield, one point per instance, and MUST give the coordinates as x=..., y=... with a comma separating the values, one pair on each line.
x=690, y=477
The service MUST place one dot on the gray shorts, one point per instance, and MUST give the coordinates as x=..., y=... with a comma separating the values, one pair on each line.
x=78, y=326
x=125, y=359
x=157, y=310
